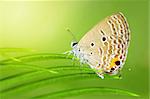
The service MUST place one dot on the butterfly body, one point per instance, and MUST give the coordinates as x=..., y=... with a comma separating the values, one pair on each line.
x=104, y=48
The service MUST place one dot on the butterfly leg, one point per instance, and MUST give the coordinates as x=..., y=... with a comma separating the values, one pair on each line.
x=74, y=60
x=100, y=75
x=68, y=53
x=119, y=75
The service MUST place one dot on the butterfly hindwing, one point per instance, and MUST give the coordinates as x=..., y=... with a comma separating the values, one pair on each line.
x=105, y=46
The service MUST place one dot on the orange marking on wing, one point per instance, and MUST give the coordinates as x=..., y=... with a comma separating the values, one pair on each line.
x=112, y=64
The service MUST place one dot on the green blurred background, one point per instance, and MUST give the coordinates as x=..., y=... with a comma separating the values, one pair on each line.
x=41, y=25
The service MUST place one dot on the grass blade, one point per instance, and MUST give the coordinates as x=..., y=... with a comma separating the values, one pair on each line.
x=28, y=81
x=79, y=91
x=37, y=57
x=43, y=81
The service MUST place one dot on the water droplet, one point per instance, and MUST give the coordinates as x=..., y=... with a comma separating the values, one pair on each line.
x=129, y=69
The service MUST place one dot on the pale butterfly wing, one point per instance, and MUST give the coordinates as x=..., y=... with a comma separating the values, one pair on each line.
x=105, y=46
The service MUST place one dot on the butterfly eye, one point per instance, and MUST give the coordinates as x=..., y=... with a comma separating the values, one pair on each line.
x=73, y=44
x=103, y=38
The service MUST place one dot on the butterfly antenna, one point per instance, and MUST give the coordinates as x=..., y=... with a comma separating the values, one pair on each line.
x=73, y=36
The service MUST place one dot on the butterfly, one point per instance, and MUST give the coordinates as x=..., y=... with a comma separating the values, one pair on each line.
x=104, y=48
